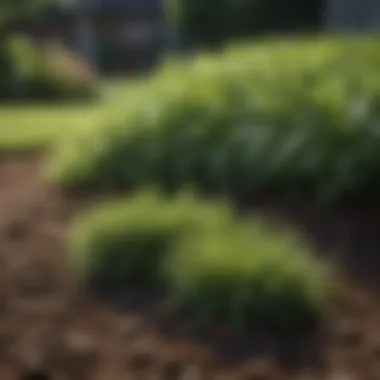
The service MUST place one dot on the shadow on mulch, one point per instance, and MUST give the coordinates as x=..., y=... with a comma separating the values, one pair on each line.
x=294, y=348
x=348, y=236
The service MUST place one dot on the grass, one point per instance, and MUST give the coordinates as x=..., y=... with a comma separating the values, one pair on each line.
x=24, y=127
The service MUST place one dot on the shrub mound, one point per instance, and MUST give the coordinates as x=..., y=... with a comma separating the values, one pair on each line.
x=124, y=241
x=45, y=72
x=239, y=272
x=296, y=117
x=247, y=279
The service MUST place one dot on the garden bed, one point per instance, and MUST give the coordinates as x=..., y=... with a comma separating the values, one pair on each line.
x=49, y=324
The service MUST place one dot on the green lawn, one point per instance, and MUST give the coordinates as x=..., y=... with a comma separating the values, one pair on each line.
x=25, y=127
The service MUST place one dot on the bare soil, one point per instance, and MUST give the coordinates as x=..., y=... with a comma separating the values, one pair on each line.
x=51, y=328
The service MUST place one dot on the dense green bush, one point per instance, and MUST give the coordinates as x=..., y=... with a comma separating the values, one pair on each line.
x=46, y=72
x=248, y=277
x=296, y=117
x=125, y=241
x=239, y=272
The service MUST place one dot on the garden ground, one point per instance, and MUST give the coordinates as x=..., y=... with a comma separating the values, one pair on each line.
x=50, y=326
x=48, y=323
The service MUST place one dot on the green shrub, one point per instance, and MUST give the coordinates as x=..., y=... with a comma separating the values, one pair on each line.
x=297, y=117
x=239, y=272
x=248, y=277
x=124, y=242
x=47, y=72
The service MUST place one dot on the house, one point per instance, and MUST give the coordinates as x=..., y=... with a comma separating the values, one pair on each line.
x=112, y=35
x=334, y=16
x=127, y=35
x=352, y=15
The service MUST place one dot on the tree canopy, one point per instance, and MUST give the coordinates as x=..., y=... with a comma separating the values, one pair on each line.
x=202, y=22
x=14, y=9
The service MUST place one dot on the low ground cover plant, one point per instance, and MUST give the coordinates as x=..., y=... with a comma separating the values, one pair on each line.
x=297, y=116
x=237, y=272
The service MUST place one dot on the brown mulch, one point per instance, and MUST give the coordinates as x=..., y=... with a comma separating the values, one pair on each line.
x=50, y=328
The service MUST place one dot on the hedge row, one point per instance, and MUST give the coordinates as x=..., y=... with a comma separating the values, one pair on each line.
x=298, y=117
x=225, y=270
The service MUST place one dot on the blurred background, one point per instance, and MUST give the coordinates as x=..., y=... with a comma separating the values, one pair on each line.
x=124, y=36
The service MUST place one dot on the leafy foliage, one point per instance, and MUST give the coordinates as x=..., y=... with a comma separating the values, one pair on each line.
x=297, y=117
x=46, y=72
x=248, y=276
x=125, y=241
x=239, y=272
x=11, y=10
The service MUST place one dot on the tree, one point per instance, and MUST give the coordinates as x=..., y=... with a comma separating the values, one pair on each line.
x=11, y=10
x=209, y=23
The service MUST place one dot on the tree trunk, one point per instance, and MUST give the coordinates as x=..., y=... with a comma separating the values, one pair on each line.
x=8, y=82
x=5, y=66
